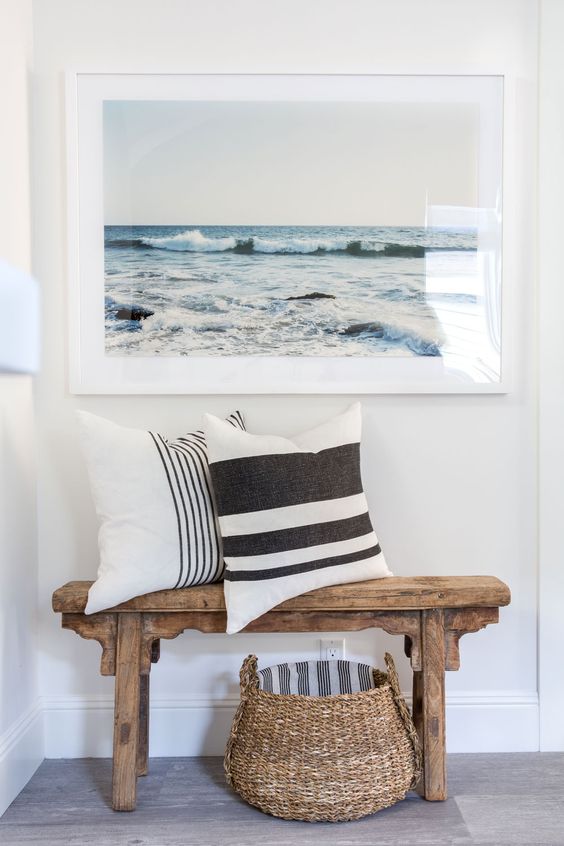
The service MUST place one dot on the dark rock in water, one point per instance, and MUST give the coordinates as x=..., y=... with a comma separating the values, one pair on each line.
x=133, y=313
x=375, y=329
x=356, y=248
x=404, y=250
x=314, y=296
x=244, y=248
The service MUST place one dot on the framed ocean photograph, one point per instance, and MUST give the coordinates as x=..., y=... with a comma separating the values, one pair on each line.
x=335, y=234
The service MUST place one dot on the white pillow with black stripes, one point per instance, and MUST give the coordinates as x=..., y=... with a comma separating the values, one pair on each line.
x=158, y=524
x=292, y=513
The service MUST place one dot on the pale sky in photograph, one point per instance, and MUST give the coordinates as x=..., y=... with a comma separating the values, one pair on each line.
x=286, y=163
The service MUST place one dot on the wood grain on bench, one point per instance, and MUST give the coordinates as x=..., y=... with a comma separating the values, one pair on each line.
x=394, y=593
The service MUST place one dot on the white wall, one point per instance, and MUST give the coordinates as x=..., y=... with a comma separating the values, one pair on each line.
x=21, y=743
x=551, y=383
x=451, y=480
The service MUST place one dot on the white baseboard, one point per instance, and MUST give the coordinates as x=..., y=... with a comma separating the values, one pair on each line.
x=493, y=722
x=79, y=727
x=21, y=752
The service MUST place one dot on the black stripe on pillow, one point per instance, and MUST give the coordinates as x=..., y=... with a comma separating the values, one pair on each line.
x=239, y=418
x=196, y=452
x=286, y=479
x=305, y=567
x=185, y=463
x=300, y=537
x=162, y=453
x=193, y=560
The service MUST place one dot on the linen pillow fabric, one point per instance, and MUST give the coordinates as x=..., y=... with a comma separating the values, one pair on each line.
x=317, y=678
x=158, y=524
x=292, y=513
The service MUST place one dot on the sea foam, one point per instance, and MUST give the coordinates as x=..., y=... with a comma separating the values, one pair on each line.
x=191, y=241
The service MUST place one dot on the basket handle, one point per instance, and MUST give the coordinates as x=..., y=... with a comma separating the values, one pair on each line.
x=248, y=676
x=405, y=716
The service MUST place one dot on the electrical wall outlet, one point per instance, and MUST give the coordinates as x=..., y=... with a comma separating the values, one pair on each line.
x=332, y=650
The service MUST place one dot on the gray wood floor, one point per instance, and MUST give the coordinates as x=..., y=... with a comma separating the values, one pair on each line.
x=501, y=800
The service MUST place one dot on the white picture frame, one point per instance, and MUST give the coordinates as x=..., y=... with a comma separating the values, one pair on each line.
x=92, y=371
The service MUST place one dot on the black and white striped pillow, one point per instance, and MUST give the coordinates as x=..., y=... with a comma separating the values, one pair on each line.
x=292, y=513
x=158, y=524
x=317, y=678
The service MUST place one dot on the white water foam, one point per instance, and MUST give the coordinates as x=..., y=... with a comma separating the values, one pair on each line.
x=191, y=241
x=298, y=245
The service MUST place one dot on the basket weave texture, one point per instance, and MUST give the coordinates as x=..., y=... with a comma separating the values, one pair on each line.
x=326, y=758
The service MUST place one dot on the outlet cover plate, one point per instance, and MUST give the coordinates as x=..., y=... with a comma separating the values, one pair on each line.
x=332, y=650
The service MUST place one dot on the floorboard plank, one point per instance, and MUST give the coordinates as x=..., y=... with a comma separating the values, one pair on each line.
x=504, y=800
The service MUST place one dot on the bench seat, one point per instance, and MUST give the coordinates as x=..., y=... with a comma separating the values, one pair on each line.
x=395, y=593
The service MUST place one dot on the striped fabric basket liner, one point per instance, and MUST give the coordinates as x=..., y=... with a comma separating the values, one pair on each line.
x=317, y=678
x=323, y=757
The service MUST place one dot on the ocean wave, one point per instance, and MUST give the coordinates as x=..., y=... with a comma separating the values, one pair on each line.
x=412, y=340
x=193, y=241
x=400, y=335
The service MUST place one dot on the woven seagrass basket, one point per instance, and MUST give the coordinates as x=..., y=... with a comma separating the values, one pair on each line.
x=322, y=757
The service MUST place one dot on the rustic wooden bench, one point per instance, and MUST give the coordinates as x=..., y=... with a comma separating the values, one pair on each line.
x=432, y=613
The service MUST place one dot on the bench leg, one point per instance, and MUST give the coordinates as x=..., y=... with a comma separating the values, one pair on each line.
x=143, y=743
x=126, y=712
x=429, y=705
